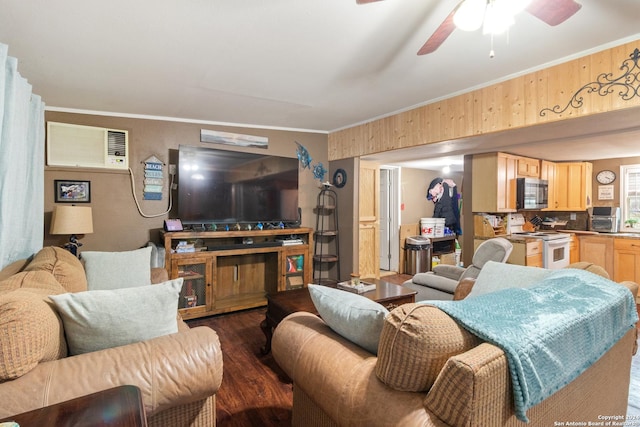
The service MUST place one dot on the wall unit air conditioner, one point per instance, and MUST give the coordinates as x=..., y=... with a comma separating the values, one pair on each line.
x=87, y=146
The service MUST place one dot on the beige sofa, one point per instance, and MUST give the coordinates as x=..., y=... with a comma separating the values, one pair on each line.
x=467, y=381
x=178, y=374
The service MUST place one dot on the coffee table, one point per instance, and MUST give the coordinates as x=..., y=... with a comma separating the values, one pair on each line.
x=117, y=407
x=281, y=304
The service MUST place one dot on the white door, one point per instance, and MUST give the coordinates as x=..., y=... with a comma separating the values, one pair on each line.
x=390, y=218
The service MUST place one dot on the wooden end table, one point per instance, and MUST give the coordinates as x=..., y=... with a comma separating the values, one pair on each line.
x=116, y=407
x=281, y=304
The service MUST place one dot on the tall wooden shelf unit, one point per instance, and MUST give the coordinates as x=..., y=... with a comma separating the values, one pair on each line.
x=233, y=275
x=326, y=258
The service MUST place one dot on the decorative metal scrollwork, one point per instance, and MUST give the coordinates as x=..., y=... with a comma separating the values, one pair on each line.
x=627, y=85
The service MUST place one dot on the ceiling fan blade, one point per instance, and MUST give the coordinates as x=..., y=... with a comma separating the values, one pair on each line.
x=553, y=12
x=366, y=1
x=439, y=35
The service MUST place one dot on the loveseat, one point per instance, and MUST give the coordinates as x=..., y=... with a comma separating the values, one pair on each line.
x=430, y=371
x=178, y=374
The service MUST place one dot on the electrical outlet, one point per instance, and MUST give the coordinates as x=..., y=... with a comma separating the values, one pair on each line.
x=172, y=169
x=572, y=216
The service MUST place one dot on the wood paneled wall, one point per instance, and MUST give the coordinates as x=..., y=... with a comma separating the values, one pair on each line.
x=511, y=104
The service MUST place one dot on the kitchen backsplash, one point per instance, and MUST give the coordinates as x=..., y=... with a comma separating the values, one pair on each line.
x=581, y=221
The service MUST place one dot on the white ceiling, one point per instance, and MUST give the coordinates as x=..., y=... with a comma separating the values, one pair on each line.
x=290, y=64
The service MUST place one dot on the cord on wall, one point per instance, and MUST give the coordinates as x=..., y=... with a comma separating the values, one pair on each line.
x=135, y=198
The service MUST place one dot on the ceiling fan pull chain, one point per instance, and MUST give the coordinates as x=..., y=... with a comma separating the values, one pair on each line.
x=491, y=52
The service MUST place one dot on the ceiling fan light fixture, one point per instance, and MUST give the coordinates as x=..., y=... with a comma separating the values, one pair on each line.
x=518, y=6
x=470, y=14
x=498, y=17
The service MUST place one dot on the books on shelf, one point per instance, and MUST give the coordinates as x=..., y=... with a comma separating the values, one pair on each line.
x=286, y=241
x=184, y=246
x=359, y=289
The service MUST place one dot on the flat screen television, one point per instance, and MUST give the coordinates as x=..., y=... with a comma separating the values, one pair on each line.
x=228, y=187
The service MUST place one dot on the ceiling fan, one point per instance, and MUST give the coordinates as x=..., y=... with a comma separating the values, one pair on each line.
x=552, y=12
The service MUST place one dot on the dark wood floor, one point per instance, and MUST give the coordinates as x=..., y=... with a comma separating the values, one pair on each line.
x=255, y=391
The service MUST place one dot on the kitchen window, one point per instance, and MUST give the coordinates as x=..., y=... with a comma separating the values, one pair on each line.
x=630, y=197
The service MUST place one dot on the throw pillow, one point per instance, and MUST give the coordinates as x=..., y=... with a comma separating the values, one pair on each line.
x=353, y=316
x=495, y=276
x=95, y=320
x=115, y=270
x=30, y=332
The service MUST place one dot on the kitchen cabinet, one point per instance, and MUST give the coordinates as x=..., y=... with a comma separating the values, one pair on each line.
x=525, y=252
x=626, y=260
x=574, y=249
x=598, y=249
x=548, y=173
x=494, y=188
x=572, y=186
x=533, y=252
x=529, y=168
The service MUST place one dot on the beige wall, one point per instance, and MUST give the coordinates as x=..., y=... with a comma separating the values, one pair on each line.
x=413, y=193
x=614, y=165
x=117, y=223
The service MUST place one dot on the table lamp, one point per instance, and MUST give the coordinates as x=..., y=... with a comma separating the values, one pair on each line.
x=72, y=220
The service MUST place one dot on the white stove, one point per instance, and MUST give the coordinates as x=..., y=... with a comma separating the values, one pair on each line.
x=555, y=245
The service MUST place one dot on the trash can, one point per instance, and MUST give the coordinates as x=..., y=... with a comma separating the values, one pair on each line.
x=417, y=254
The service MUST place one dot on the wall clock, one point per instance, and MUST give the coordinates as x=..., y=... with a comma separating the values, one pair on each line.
x=340, y=178
x=606, y=177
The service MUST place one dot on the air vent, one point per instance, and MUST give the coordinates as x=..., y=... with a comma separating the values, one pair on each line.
x=116, y=143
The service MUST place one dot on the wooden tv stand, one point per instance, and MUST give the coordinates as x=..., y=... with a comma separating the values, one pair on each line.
x=235, y=270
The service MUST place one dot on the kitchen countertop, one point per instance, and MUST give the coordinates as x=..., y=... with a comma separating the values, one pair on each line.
x=511, y=237
x=524, y=239
x=595, y=233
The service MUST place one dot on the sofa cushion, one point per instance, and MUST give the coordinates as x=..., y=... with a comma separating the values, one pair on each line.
x=353, y=316
x=95, y=320
x=495, y=276
x=63, y=265
x=415, y=343
x=30, y=332
x=114, y=270
x=38, y=279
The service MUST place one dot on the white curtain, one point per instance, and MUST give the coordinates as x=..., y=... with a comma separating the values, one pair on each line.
x=21, y=164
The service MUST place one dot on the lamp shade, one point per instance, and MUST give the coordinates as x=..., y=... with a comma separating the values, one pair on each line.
x=71, y=220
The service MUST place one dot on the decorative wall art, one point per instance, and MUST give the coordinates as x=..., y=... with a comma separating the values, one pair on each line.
x=153, y=178
x=238, y=139
x=626, y=85
x=72, y=191
x=319, y=171
x=605, y=192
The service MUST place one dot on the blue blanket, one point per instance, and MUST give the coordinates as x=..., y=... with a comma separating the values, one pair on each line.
x=551, y=332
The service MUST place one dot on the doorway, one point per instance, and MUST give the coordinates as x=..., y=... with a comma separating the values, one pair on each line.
x=389, y=219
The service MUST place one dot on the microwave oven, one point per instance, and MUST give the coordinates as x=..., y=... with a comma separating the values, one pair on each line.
x=532, y=193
